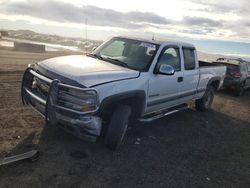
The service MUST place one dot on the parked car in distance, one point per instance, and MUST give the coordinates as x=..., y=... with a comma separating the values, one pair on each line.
x=123, y=79
x=237, y=75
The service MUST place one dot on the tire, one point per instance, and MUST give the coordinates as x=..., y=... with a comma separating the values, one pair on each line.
x=117, y=127
x=206, y=101
x=239, y=91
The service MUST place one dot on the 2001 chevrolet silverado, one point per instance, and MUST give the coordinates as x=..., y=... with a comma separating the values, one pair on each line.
x=123, y=79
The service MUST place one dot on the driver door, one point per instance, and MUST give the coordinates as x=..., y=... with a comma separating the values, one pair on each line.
x=163, y=91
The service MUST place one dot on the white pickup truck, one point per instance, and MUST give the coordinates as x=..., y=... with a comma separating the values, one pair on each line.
x=123, y=79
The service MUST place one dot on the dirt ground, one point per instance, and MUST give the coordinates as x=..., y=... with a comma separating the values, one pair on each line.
x=186, y=149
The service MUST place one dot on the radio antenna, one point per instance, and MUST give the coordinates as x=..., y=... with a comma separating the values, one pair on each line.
x=153, y=37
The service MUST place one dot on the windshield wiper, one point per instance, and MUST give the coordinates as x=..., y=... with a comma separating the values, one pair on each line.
x=117, y=61
x=111, y=60
x=94, y=56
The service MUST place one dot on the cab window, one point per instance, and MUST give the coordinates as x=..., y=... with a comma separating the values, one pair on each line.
x=171, y=56
x=189, y=58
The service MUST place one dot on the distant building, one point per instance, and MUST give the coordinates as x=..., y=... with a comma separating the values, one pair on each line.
x=28, y=47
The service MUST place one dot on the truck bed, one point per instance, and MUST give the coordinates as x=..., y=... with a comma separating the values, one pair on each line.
x=209, y=70
x=205, y=64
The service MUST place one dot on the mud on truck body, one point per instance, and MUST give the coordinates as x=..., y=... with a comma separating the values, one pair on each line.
x=123, y=79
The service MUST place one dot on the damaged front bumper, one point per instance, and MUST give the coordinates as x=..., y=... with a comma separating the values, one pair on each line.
x=44, y=95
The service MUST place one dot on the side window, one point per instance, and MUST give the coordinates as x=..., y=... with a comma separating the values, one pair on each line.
x=245, y=67
x=189, y=58
x=171, y=56
x=248, y=69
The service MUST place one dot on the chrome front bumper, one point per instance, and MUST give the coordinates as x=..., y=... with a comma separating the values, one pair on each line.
x=81, y=124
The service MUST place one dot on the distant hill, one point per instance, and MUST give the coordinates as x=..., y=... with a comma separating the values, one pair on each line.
x=81, y=43
x=53, y=39
x=212, y=57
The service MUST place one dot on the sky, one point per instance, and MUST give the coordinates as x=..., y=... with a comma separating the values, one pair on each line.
x=215, y=26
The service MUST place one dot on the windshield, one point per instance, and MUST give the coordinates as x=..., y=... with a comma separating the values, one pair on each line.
x=129, y=53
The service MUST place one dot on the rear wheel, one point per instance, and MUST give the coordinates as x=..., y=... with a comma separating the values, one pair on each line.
x=239, y=91
x=118, y=126
x=206, y=101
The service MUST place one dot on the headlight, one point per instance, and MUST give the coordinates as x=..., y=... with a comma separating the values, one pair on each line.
x=78, y=99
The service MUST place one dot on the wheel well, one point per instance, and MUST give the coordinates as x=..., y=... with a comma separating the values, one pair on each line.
x=137, y=103
x=137, y=106
x=215, y=84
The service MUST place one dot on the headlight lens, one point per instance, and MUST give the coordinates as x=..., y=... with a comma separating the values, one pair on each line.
x=78, y=99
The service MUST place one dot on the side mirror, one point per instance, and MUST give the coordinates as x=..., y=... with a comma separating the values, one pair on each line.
x=164, y=69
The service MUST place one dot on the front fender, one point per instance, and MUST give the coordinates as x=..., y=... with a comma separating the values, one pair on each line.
x=138, y=97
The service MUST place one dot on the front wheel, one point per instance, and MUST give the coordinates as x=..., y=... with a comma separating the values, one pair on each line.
x=206, y=101
x=118, y=126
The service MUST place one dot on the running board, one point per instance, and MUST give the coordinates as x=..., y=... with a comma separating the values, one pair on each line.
x=163, y=113
x=32, y=155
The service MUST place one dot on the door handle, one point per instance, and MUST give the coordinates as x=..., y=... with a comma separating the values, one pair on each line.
x=180, y=79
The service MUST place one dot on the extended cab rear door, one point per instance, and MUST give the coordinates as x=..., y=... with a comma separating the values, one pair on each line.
x=190, y=74
x=163, y=90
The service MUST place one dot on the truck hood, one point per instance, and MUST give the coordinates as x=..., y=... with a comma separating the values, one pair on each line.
x=86, y=71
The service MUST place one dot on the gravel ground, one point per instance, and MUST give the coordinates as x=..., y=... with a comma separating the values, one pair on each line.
x=186, y=149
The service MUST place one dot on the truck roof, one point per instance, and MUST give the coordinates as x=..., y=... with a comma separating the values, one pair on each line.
x=159, y=41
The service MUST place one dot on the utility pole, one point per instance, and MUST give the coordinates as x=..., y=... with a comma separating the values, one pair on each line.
x=86, y=34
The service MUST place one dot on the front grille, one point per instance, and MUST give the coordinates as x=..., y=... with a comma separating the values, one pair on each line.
x=37, y=89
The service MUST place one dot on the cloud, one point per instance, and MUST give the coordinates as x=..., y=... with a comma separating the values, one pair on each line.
x=199, y=21
x=234, y=14
x=63, y=12
x=66, y=12
x=193, y=23
x=198, y=31
x=239, y=7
